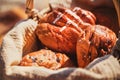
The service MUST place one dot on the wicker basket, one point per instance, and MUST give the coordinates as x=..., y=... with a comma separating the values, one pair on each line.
x=22, y=40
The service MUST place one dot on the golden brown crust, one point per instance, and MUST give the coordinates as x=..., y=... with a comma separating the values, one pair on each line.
x=46, y=58
x=74, y=32
x=62, y=27
x=55, y=39
x=86, y=16
x=100, y=44
x=64, y=60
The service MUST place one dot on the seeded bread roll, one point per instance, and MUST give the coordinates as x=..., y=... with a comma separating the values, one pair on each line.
x=46, y=58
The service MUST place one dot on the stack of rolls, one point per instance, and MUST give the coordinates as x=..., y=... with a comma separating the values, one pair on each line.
x=75, y=33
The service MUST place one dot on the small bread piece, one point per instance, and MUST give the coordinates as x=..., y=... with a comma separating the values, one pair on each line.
x=46, y=58
x=99, y=44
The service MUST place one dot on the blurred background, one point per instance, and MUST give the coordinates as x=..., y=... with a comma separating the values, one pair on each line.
x=13, y=11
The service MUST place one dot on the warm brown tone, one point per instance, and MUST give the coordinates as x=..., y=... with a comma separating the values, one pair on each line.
x=46, y=58
x=60, y=29
x=74, y=32
x=107, y=17
x=99, y=44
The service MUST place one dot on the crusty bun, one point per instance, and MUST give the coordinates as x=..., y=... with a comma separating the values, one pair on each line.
x=46, y=58
x=75, y=33
x=101, y=43
x=60, y=28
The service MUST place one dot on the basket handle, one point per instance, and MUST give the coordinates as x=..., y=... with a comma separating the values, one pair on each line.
x=29, y=5
x=33, y=13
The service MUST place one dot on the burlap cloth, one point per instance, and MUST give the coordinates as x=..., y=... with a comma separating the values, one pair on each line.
x=22, y=40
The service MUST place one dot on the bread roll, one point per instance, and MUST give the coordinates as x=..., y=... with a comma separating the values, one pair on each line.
x=59, y=29
x=46, y=58
x=99, y=44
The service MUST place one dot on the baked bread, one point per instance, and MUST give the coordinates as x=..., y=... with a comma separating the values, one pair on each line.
x=74, y=32
x=46, y=58
x=59, y=29
x=85, y=15
x=99, y=44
